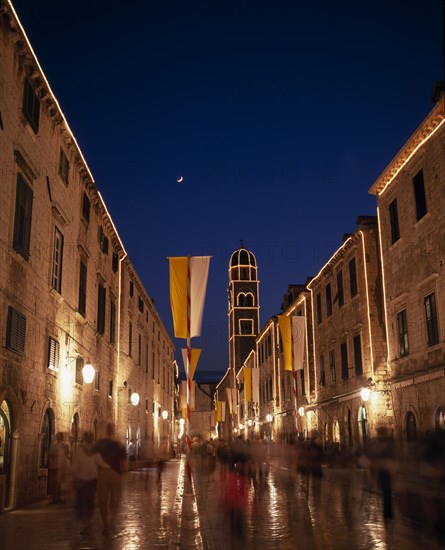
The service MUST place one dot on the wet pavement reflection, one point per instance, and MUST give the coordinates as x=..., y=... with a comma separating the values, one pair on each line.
x=340, y=511
x=280, y=511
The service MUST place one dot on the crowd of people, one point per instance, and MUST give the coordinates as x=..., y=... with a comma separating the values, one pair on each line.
x=96, y=469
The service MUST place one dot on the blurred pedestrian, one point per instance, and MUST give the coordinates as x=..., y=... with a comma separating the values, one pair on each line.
x=383, y=464
x=109, y=479
x=85, y=468
x=58, y=465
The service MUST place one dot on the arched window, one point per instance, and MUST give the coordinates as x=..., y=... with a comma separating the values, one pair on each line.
x=411, y=429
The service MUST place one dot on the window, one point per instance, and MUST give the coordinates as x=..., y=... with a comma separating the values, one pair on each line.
x=64, y=166
x=112, y=321
x=353, y=278
x=139, y=350
x=97, y=381
x=101, y=296
x=322, y=372
x=110, y=388
x=246, y=326
x=22, y=218
x=344, y=361
x=53, y=354
x=86, y=207
x=103, y=241
x=79, y=366
x=394, y=221
x=141, y=304
x=56, y=279
x=358, y=355
x=146, y=357
x=15, y=331
x=332, y=366
x=328, y=300
x=431, y=320
x=31, y=106
x=419, y=195
x=303, y=387
x=81, y=307
x=153, y=365
x=115, y=262
x=130, y=338
x=340, y=295
x=403, y=333
x=131, y=289
x=319, y=313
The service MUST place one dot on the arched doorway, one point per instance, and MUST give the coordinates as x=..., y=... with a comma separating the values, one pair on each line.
x=439, y=420
x=5, y=453
x=411, y=427
x=350, y=433
x=363, y=425
x=336, y=432
x=74, y=436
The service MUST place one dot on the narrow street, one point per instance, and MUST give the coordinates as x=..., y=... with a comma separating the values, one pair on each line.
x=156, y=513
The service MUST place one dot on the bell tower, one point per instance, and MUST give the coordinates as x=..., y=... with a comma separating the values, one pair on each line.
x=243, y=306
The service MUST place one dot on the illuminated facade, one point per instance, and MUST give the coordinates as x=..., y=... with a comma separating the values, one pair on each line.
x=69, y=294
x=349, y=342
x=411, y=205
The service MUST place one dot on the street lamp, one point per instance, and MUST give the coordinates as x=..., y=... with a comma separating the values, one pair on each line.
x=365, y=394
x=164, y=414
x=88, y=373
x=269, y=418
x=135, y=398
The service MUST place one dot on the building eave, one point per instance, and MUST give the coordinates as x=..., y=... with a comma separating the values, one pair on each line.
x=427, y=128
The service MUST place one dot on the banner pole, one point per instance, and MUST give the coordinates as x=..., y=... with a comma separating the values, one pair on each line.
x=189, y=384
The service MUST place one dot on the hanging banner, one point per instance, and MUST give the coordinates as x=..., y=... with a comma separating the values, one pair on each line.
x=220, y=411
x=293, y=337
x=231, y=399
x=256, y=385
x=193, y=361
x=247, y=374
x=183, y=395
x=187, y=310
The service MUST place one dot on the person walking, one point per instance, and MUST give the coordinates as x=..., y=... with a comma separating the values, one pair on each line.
x=109, y=479
x=85, y=469
x=58, y=464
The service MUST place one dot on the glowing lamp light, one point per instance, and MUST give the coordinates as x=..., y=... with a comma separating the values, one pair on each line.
x=301, y=411
x=365, y=394
x=88, y=373
x=268, y=418
x=250, y=422
x=165, y=415
x=134, y=398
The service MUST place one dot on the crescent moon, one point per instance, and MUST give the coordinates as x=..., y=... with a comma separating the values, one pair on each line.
x=180, y=180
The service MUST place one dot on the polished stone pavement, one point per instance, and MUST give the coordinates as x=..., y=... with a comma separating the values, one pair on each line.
x=172, y=512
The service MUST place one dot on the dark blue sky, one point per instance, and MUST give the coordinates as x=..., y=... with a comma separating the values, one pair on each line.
x=279, y=114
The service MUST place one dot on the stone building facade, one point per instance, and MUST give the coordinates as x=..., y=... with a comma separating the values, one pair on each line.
x=349, y=341
x=411, y=204
x=64, y=293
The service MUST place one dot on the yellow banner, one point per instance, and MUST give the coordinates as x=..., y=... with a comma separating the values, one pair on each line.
x=284, y=322
x=178, y=294
x=247, y=383
x=193, y=361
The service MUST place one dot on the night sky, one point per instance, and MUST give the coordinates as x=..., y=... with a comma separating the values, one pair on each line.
x=279, y=115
